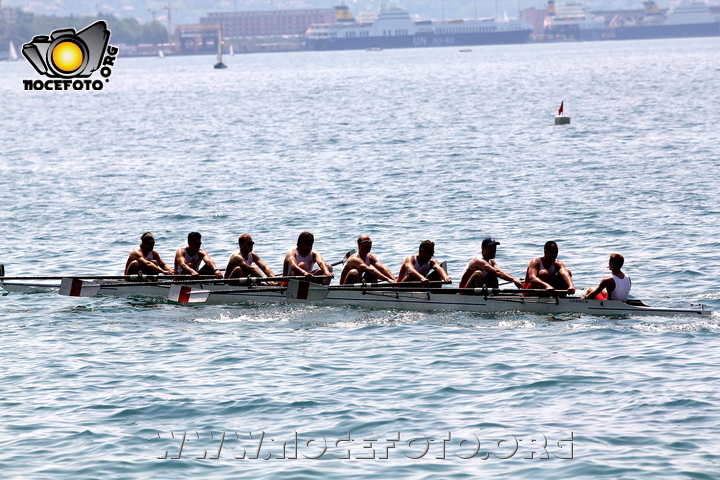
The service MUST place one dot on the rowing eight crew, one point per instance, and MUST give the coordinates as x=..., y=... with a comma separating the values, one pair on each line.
x=544, y=273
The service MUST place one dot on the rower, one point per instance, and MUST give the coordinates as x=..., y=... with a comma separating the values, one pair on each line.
x=188, y=259
x=417, y=267
x=145, y=259
x=617, y=285
x=483, y=270
x=302, y=259
x=548, y=273
x=364, y=266
x=241, y=262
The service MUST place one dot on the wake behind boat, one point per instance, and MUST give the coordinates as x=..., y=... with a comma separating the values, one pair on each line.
x=381, y=296
x=395, y=29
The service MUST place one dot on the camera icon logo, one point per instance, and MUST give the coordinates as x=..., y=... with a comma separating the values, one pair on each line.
x=68, y=54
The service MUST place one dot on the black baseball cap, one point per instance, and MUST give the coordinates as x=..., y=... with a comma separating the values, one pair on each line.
x=489, y=242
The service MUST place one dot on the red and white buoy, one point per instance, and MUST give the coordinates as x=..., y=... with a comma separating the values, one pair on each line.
x=561, y=118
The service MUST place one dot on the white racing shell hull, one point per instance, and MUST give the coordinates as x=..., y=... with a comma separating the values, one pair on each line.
x=389, y=299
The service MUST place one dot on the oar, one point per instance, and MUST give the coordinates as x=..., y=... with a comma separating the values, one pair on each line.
x=397, y=285
x=183, y=294
x=132, y=278
x=345, y=258
x=296, y=290
x=77, y=287
x=466, y=291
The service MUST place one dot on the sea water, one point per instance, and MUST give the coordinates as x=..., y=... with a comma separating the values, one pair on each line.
x=401, y=145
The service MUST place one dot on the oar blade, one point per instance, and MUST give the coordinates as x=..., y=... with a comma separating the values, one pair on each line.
x=345, y=258
x=74, y=287
x=299, y=290
x=185, y=294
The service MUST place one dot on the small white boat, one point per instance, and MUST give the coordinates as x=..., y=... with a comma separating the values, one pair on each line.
x=161, y=54
x=12, y=55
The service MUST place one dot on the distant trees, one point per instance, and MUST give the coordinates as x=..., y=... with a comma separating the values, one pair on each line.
x=128, y=30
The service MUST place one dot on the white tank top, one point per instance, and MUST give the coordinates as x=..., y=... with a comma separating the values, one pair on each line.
x=622, y=288
x=551, y=270
x=191, y=261
x=367, y=263
x=307, y=260
x=422, y=270
x=249, y=260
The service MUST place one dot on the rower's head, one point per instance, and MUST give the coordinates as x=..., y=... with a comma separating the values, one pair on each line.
x=489, y=248
x=364, y=244
x=147, y=242
x=551, y=250
x=305, y=243
x=246, y=243
x=426, y=251
x=194, y=241
x=616, y=261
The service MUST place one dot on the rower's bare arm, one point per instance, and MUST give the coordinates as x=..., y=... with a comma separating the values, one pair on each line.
x=232, y=263
x=565, y=274
x=184, y=267
x=293, y=267
x=533, y=275
x=266, y=270
x=389, y=277
x=438, y=268
x=209, y=262
x=323, y=266
x=160, y=266
x=506, y=276
x=604, y=284
x=410, y=271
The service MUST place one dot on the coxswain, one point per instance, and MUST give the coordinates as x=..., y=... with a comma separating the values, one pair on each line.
x=245, y=262
x=616, y=286
x=188, y=259
x=364, y=266
x=145, y=259
x=548, y=273
x=301, y=260
x=417, y=267
x=483, y=270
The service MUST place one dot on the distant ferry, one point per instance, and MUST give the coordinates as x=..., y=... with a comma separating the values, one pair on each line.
x=395, y=29
x=687, y=20
x=573, y=20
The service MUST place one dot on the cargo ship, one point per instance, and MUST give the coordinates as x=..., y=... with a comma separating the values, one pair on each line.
x=395, y=29
x=685, y=20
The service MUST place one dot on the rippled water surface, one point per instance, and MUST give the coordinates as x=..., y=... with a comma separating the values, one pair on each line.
x=403, y=146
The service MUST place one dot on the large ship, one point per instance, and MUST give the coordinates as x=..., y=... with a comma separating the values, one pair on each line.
x=395, y=29
x=574, y=21
x=685, y=20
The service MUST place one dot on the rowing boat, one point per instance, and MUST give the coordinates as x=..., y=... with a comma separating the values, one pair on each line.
x=379, y=296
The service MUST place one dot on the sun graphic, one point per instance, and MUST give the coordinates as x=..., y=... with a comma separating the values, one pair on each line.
x=67, y=56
